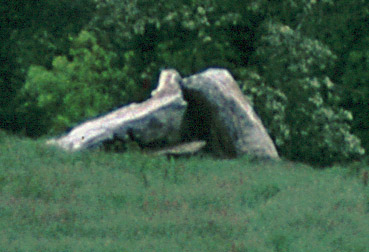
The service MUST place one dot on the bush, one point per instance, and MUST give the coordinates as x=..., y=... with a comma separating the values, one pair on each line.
x=296, y=100
x=84, y=86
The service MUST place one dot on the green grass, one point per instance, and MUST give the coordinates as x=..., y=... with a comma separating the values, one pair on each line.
x=95, y=201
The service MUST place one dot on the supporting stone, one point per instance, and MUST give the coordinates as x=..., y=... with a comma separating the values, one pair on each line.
x=220, y=114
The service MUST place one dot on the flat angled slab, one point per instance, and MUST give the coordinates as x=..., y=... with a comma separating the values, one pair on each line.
x=189, y=148
x=157, y=120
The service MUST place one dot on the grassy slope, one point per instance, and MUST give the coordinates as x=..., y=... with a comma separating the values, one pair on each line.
x=54, y=201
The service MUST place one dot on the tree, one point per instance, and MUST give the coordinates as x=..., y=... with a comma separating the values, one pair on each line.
x=297, y=100
x=73, y=90
x=33, y=32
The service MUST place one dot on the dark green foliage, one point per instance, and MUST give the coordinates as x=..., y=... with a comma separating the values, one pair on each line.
x=188, y=36
x=33, y=32
x=296, y=100
x=355, y=91
x=342, y=26
x=85, y=86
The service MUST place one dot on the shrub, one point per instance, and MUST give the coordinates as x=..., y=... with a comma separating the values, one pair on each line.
x=296, y=100
x=81, y=87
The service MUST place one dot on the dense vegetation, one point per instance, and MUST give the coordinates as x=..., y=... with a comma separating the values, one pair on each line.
x=302, y=62
x=95, y=201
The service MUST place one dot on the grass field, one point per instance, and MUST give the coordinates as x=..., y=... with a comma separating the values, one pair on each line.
x=95, y=201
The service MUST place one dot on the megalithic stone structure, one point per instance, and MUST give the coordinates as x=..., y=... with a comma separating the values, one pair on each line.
x=156, y=121
x=183, y=116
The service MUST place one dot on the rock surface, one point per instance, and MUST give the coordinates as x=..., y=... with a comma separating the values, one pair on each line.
x=155, y=122
x=183, y=149
x=220, y=114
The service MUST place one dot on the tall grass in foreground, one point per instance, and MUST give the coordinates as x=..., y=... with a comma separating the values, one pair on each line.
x=94, y=201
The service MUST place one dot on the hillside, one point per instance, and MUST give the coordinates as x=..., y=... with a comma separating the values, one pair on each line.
x=95, y=201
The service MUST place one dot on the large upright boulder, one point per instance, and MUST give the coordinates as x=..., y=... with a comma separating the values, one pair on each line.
x=221, y=115
x=155, y=122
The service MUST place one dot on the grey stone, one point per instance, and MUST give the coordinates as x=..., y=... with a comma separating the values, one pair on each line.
x=183, y=149
x=154, y=122
x=220, y=114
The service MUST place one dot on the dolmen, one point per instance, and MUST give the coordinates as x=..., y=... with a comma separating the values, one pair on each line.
x=203, y=112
